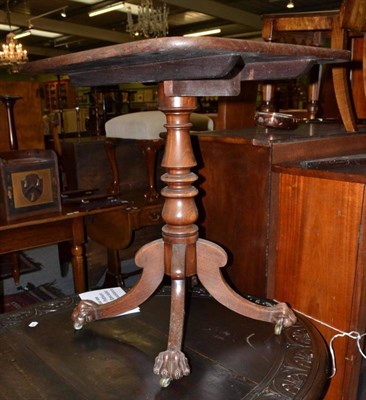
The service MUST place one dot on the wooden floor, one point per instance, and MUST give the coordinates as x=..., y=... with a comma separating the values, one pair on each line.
x=231, y=357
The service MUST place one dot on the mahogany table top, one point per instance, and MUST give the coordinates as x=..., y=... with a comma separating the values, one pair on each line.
x=180, y=58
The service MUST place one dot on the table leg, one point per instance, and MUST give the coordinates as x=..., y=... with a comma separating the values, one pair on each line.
x=78, y=268
x=210, y=258
x=15, y=267
x=172, y=363
x=77, y=251
x=151, y=258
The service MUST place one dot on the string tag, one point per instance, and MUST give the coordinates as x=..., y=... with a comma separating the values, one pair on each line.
x=352, y=335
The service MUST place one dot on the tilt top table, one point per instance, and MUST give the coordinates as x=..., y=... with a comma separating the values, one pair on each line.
x=185, y=68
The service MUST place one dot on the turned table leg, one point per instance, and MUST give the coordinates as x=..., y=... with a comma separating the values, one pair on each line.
x=15, y=267
x=313, y=92
x=180, y=233
x=77, y=251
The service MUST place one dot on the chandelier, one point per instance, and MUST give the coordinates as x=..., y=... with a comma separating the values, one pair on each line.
x=12, y=54
x=151, y=22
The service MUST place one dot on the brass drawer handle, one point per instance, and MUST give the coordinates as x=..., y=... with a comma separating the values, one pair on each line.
x=154, y=216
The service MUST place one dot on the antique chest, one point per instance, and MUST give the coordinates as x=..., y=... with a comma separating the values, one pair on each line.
x=29, y=184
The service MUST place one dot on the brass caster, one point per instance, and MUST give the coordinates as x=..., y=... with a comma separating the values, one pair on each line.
x=278, y=328
x=77, y=326
x=165, y=382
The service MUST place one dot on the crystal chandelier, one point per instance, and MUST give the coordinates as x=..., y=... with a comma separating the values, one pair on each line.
x=12, y=54
x=151, y=22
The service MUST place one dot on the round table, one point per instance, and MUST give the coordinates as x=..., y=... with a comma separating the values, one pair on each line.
x=231, y=357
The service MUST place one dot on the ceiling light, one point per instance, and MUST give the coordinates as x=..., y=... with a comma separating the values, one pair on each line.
x=12, y=54
x=63, y=13
x=47, y=34
x=290, y=4
x=204, y=33
x=61, y=9
x=130, y=8
x=111, y=7
x=5, y=27
x=22, y=34
x=87, y=1
x=37, y=32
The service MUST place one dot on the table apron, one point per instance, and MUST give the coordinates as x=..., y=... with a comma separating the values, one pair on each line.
x=28, y=237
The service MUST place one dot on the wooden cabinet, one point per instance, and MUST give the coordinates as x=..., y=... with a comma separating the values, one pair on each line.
x=233, y=189
x=320, y=255
x=236, y=187
x=59, y=95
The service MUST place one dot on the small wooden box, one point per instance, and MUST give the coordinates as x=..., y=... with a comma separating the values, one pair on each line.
x=29, y=184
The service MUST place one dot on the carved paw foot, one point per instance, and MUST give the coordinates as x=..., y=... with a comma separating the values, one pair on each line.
x=171, y=364
x=283, y=317
x=84, y=312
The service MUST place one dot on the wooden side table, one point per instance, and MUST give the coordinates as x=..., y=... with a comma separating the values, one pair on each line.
x=186, y=68
x=67, y=226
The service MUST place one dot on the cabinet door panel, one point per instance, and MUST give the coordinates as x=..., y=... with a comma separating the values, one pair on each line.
x=317, y=270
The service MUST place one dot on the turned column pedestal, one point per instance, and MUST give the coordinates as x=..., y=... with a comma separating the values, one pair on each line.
x=180, y=253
